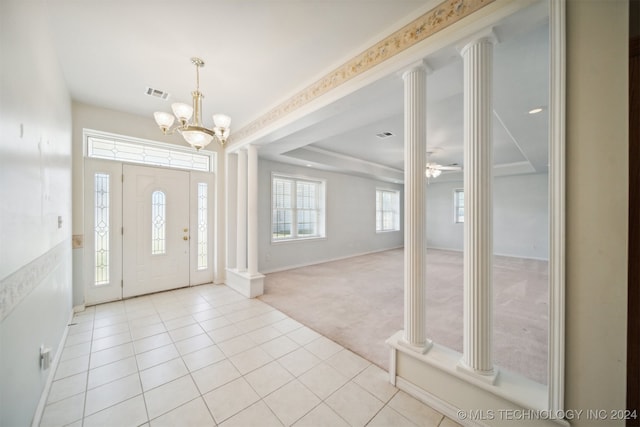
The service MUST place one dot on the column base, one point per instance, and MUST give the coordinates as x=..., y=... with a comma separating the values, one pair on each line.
x=487, y=377
x=250, y=286
x=421, y=349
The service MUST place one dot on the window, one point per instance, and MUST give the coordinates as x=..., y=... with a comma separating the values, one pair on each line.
x=101, y=229
x=158, y=222
x=297, y=208
x=387, y=210
x=458, y=205
x=202, y=226
x=102, y=145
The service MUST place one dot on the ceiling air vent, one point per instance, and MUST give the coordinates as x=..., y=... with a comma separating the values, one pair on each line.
x=383, y=135
x=157, y=93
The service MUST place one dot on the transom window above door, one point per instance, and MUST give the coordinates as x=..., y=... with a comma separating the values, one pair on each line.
x=102, y=145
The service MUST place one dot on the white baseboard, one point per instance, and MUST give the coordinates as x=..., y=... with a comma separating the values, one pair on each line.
x=52, y=370
x=322, y=261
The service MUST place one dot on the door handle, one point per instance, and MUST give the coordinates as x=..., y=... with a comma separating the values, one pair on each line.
x=185, y=237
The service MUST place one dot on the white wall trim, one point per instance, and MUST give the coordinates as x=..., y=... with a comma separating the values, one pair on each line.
x=557, y=105
x=322, y=261
x=438, y=248
x=434, y=402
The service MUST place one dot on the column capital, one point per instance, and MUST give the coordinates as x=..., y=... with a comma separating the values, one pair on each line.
x=245, y=148
x=416, y=66
x=488, y=35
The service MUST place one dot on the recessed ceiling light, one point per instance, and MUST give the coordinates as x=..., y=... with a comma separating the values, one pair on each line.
x=308, y=165
x=536, y=110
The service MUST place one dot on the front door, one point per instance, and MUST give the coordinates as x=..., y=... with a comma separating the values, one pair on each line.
x=155, y=247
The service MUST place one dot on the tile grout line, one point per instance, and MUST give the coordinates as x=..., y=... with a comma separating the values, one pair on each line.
x=144, y=400
x=256, y=343
x=86, y=385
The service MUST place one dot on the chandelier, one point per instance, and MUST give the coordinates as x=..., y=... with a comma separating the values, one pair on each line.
x=192, y=130
x=432, y=171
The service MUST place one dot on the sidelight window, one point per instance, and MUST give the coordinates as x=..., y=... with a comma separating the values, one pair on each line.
x=202, y=226
x=158, y=223
x=101, y=228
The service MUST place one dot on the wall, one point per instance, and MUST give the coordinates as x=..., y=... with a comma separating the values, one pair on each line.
x=597, y=140
x=350, y=221
x=106, y=120
x=520, y=216
x=35, y=188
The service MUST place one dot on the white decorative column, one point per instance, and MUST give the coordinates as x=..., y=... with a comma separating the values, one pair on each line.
x=231, y=188
x=252, y=210
x=477, y=357
x=415, y=224
x=241, y=235
x=245, y=277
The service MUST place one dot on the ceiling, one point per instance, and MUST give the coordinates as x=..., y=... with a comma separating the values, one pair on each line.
x=260, y=52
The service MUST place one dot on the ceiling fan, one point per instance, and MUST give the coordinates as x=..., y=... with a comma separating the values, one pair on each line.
x=433, y=170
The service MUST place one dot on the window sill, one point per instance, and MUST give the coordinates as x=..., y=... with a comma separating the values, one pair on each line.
x=297, y=240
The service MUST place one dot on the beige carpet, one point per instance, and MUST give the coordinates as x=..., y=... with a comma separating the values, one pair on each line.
x=358, y=302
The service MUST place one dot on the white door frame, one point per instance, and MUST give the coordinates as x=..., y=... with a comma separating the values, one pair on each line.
x=96, y=294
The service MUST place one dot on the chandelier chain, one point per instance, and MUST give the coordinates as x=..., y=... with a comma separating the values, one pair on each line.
x=198, y=77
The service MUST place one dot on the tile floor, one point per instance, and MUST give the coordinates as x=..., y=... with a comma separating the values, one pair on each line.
x=206, y=356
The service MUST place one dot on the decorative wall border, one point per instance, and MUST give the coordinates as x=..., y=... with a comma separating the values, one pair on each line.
x=14, y=288
x=440, y=17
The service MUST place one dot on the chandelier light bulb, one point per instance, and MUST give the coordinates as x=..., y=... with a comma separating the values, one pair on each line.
x=222, y=121
x=182, y=111
x=196, y=138
x=164, y=120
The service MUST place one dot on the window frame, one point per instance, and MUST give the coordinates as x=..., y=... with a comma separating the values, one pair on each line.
x=158, y=230
x=102, y=247
x=456, y=206
x=202, y=230
x=149, y=150
x=396, y=212
x=320, y=202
